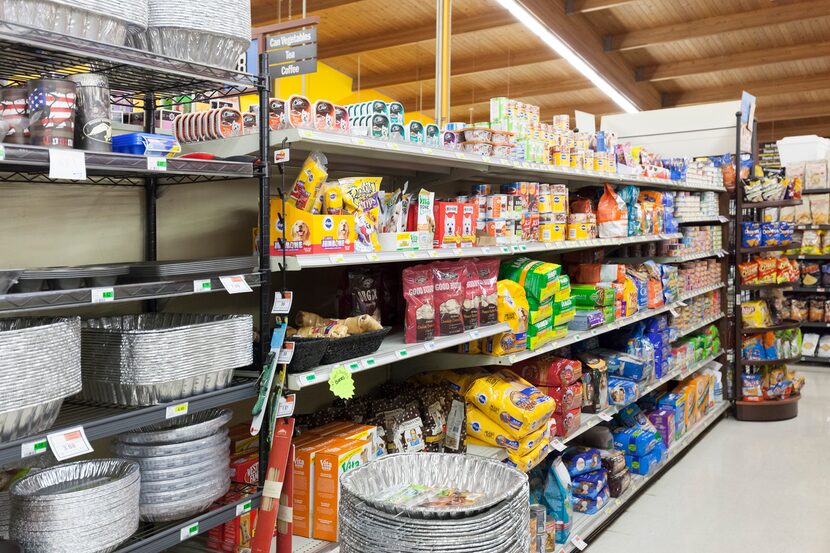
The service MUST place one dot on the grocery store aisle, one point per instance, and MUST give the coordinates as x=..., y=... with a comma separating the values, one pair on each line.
x=761, y=487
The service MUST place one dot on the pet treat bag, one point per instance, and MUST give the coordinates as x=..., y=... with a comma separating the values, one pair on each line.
x=488, y=274
x=365, y=289
x=418, y=291
x=309, y=182
x=539, y=279
x=512, y=402
x=450, y=289
x=360, y=198
x=472, y=296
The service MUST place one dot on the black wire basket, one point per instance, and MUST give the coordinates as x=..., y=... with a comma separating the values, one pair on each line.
x=307, y=353
x=351, y=347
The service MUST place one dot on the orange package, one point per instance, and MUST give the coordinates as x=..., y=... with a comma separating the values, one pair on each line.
x=330, y=464
x=767, y=271
x=304, y=460
x=612, y=215
x=655, y=293
x=783, y=270
x=748, y=272
x=585, y=273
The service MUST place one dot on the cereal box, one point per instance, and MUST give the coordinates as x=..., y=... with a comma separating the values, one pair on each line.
x=330, y=462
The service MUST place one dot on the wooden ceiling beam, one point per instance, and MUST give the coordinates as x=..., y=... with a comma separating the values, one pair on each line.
x=761, y=88
x=740, y=60
x=265, y=12
x=421, y=33
x=719, y=24
x=588, y=6
x=462, y=67
x=793, y=111
x=516, y=90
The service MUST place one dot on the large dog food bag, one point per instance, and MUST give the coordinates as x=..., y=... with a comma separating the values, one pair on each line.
x=511, y=402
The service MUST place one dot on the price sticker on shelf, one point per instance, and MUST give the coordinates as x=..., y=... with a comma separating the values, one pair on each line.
x=354, y=366
x=359, y=141
x=202, y=285
x=235, y=284
x=485, y=250
x=433, y=253
x=427, y=151
x=189, y=531
x=410, y=255
x=177, y=410
x=2, y=152
x=102, y=295
x=286, y=353
x=243, y=508
x=372, y=256
x=30, y=449
x=505, y=249
x=578, y=542
x=337, y=259
x=69, y=443
x=282, y=302
x=368, y=363
x=402, y=354
x=605, y=416
x=458, y=252
x=516, y=248
x=558, y=445
x=305, y=133
x=285, y=407
x=429, y=346
x=155, y=163
x=67, y=164
x=516, y=164
x=461, y=155
x=311, y=377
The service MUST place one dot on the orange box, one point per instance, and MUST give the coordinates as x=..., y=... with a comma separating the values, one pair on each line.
x=309, y=233
x=330, y=429
x=334, y=460
x=304, y=458
x=355, y=431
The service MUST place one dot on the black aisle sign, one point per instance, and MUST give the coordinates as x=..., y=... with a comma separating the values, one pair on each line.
x=293, y=53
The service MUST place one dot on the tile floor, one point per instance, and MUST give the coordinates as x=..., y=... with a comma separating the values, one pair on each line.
x=759, y=487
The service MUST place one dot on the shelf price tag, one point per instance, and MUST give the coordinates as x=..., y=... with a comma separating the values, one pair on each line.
x=243, y=508
x=155, y=163
x=429, y=346
x=359, y=141
x=67, y=164
x=174, y=411
x=202, y=285
x=475, y=334
x=402, y=354
x=189, y=531
x=578, y=542
x=427, y=151
x=372, y=256
x=69, y=443
x=485, y=250
x=286, y=353
x=558, y=445
x=2, y=152
x=282, y=303
x=458, y=252
x=394, y=146
x=30, y=449
x=605, y=416
x=306, y=134
x=461, y=155
x=285, y=407
x=102, y=295
x=235, y=284
x=368, y=363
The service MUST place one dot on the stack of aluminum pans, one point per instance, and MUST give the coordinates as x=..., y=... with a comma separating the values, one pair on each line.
x=5, y=514
x=70, y=278
x=159, y=357
x=160, y=270
x=489, y=513
x=40, y=365
x=83, y=506
x=99, y=20
x=184, y=463
x=211, y=32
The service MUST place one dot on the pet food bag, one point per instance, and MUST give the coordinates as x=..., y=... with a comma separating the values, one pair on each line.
x=488, y=275
x=557, y=500
x=361, y=199
x=612, y=215
x=526, y=462
x=550, y=370
x=579, y=460
x=449, y=282
x=418, y=291
x=512, y=402
x=621, y=391
x=484, y=429
x=567, y=421
x=309, y=182
x=589, y=484
x=540, y=280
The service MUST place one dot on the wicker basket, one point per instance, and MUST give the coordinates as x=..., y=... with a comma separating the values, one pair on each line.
x=307, y=353
x=350, y=347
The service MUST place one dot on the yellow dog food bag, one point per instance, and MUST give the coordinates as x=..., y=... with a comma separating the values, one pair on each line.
x=526, y=462
x=511, y=402
x=490, y=433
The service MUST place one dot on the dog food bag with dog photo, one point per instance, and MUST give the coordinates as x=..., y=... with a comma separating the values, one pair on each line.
x=307, y=186
x=449, y=280
x=418, y=291
x=512, y=402
x=579, y=460
x=472, y=295
x=488, y=276
x=486, y=430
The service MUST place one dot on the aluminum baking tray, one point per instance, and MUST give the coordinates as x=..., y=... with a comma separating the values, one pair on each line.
x=468, y=473
x=177, y=461
x=169, y=269
x=134, y=395
x=26, y=421
x=207, y=473
x=181, y=429
x=165, y=450
x=189, y=503
x=205, y=464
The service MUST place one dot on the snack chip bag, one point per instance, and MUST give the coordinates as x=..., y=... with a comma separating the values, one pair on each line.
x=306, y=189
x=748, y=272
x=511, y=402
x=755, y=314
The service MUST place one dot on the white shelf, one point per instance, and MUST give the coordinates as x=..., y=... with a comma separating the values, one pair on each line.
x=357, y=154
x=702, y=219
x=694, y=293
x=590, y=420
x=695, y=328
x=391, y=350
x=671, y=259
x=585, y=525
x=309, y=261
x=300, y=544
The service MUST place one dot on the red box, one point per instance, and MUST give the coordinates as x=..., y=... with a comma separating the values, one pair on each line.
x=448, y=225
x=245, y=468
x=469, y=216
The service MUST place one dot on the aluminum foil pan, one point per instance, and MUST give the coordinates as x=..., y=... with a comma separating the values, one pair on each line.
x=230, y=17
x=188, y=503
x=181, y=429
x=87, y=505
x=178, y=461
x=204, y=465
x=165, y=450
x=94, y=20
x=207, y=48
x=495, y=480
x=134, y=395
x=25, y=421
x=212, y=472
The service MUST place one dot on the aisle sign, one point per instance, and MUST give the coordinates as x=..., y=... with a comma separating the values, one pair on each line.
x=293, y=53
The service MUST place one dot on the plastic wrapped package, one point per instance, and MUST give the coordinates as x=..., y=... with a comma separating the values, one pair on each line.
x=557, y=500
x=512, y=402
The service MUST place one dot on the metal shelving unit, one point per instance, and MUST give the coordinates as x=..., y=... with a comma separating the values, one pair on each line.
x=139, y=79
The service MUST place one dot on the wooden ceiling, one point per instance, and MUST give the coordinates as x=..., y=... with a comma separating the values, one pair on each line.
x=659, y=53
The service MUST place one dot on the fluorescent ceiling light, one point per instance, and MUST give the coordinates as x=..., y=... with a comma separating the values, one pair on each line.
x=531, y=22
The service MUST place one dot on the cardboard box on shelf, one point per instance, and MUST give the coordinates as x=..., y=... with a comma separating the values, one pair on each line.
x=330, y=463
x=308, y=233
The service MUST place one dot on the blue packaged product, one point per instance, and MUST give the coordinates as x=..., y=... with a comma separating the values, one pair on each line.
x=642, y=464
x=677, y=403
x=770, y=234
x=142, y=143
x=635, y=441
x=751, y=236
x=786, y=229
x=623, y=364
x=558, y=499
x=621, y=391
x=591, y=506
x=579, y=460
x=633, y=417
x=661, y=452
x=589, y=484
